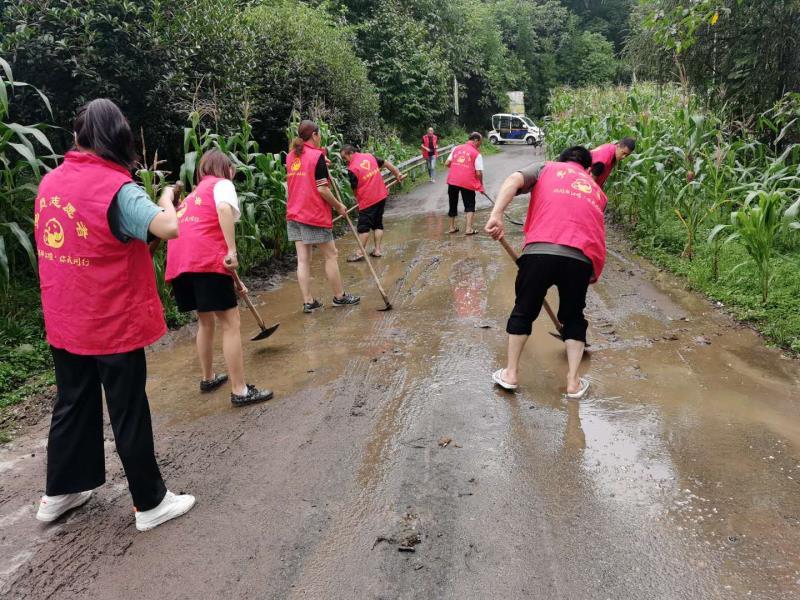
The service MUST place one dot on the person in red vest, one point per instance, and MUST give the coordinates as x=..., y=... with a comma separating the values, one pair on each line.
x=430, y=152
x=565, y=246
x=101, y=308
x=465, y=178
x=199, y=264
x=308, y=214
x=364, y=171
x=605, y=158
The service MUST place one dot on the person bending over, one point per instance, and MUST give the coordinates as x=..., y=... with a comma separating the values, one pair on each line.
x=564, y=246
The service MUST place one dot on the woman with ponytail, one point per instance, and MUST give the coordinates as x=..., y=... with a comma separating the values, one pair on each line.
x=309, y=220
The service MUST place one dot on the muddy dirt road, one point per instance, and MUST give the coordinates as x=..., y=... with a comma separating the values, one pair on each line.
x=677, y=477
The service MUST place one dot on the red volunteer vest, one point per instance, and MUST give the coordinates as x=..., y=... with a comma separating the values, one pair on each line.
x=99, y=295
x=566, y=208
x=606, y=154
x=200, y=246
x=426, y=144
x=304, y=203
x=370, y=189
x=462, y=168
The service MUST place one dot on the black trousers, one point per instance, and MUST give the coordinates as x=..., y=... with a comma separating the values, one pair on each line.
x=75, y=457
x=537, y=273
x=467, y=196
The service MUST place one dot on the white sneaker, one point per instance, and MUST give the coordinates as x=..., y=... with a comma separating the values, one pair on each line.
x=171, y=506
x=52, y=507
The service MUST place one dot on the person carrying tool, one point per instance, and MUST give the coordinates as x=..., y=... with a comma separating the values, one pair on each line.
x=308, y=214
x=364, y=171
x=564, y=246
x=465, y=178
x=199, y=265
x=605, y=158
x=430, y=152
x=101, y=308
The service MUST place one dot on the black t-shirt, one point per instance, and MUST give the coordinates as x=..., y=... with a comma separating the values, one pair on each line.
x=321, y=171
x=354, y=179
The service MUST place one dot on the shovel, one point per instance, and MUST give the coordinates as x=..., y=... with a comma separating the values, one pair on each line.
x=388, y=305
x=265, y=331
x=513, y=254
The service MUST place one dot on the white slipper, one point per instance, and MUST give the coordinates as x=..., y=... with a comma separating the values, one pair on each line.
x=497, y=377
x=581, y=390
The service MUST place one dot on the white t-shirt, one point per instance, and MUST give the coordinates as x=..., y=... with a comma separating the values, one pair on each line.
x=225, y=193
x=478, y=161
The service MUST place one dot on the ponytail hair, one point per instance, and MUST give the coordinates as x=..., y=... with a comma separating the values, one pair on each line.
x=304, y=132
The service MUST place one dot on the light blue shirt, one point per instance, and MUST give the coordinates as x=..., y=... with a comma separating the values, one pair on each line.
x=130, y=216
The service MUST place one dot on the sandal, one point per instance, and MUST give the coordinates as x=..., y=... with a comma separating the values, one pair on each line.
x=374, y=255
x=497, y=377
x=356, y=258
x=453, y=230
x=581, y=390
x=473, y=232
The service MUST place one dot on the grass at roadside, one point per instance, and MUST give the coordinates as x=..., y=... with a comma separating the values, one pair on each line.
x=778, y=320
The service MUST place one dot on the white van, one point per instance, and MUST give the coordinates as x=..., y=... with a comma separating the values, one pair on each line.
x=509, y=128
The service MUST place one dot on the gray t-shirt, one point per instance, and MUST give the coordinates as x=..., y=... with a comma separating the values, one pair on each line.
x=530, y=176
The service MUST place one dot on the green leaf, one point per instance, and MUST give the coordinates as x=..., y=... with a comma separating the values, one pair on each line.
x=22, y=131
x=716, y=229
x=28, y=155
x=38, y=91
x=4, y=259
x=7, y=69
x=24, y=241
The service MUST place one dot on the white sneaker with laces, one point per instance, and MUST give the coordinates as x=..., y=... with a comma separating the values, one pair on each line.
x=52, y=507
x=171, y=506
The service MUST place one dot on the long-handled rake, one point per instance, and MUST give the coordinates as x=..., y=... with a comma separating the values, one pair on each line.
x=388, y=305
x=510, y=220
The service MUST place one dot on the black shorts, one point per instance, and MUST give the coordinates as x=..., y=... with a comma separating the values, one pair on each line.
x=204, y=292
x=537, y=273
x=371, y=218
x=467, y=197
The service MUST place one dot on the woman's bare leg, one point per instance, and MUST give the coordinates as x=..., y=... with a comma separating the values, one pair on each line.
x=232, y=348
x=304, y=270
x=205, y=343
x=331, y=256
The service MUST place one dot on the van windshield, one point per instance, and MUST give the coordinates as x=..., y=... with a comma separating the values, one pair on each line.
x=527, y=121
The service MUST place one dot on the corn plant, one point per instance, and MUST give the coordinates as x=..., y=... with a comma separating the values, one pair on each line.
x=757, y=225
x=25, y=155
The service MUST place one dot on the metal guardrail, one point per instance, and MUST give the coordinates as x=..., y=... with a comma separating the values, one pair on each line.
x=409, y=165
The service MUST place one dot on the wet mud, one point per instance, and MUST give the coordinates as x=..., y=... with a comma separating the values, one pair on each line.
x=389, y=466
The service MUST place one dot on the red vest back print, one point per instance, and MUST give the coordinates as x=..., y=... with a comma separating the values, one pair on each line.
x=426, y=143
x=567, y=208
x=304, y=203
x=462, y=168
x=99, y=295
x=606, y=154
x=200, y=246
x=370, y=189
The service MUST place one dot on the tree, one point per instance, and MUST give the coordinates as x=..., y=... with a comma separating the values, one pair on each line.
x=306, y=61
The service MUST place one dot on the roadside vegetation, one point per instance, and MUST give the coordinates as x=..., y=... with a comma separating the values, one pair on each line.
x=716, y=202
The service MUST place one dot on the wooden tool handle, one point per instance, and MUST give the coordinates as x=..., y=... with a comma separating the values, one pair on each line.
x=240, y=287
x=513, y=254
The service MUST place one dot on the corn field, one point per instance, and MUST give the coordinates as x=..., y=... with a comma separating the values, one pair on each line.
x=716, y=201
